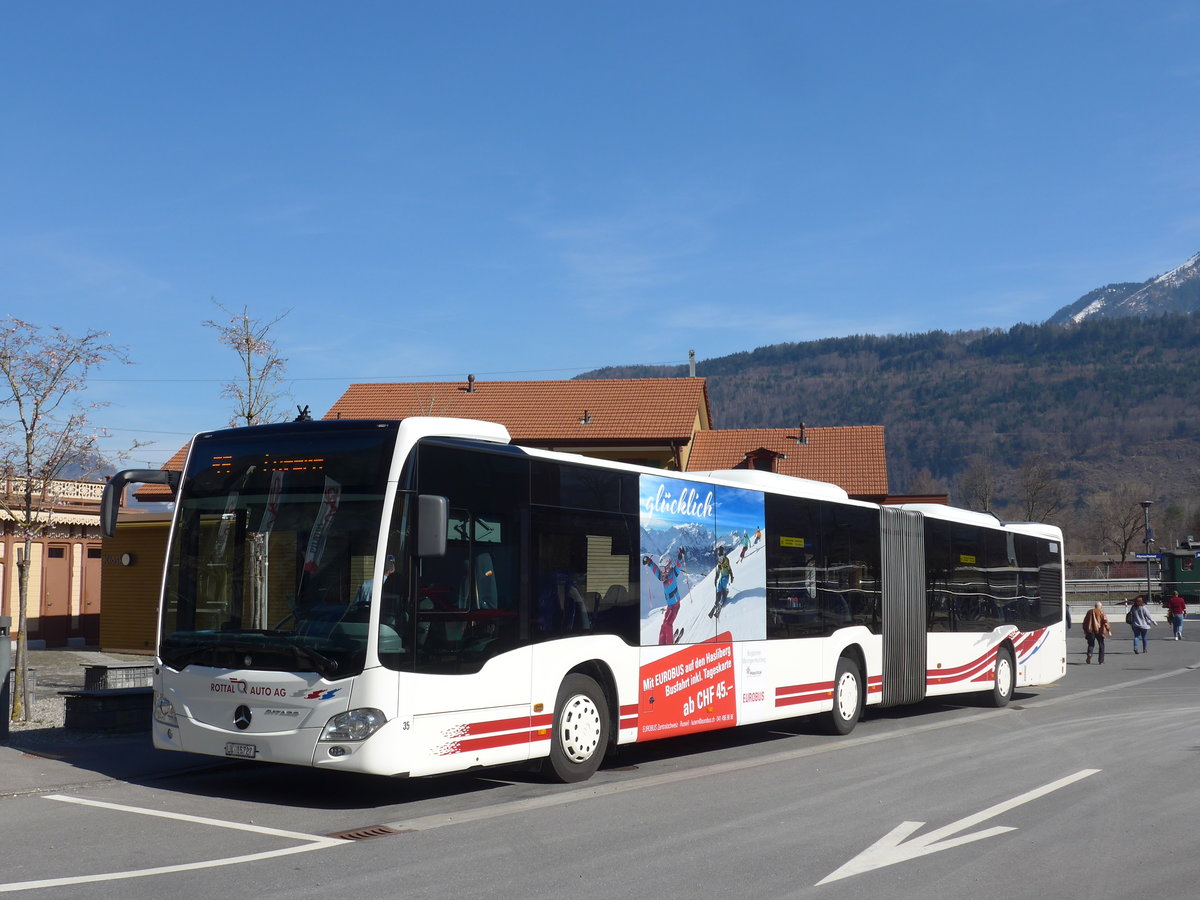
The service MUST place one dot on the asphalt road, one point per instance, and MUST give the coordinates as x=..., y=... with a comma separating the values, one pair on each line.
x=1084, y=788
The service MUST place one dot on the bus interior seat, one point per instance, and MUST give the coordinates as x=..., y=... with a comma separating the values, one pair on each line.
x=618, y=611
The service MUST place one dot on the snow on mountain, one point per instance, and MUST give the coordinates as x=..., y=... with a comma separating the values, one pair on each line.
x=1175, y=291
x=696, y=540
x=1181, y=275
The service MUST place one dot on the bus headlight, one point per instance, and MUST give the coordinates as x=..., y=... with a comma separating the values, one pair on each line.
x=355, y=725
x=164, y=710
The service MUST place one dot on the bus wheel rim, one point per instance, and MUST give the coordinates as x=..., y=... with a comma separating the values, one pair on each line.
x=847, y=696
x=580, y=729
x=1004, y=679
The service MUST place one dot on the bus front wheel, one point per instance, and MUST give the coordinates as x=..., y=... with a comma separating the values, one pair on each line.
x=847, y=697
x=581, y=725
x=1005, y=678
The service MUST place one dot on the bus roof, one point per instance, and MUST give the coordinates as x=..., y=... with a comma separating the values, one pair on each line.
x=973, y=517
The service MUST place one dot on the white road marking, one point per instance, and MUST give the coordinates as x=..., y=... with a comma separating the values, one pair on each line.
x=311, y=842
x=198, y=820
x=892, y=848
x=162, y=870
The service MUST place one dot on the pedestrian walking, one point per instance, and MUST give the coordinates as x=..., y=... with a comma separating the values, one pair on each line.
x=1096, y=628
x=1141, y=622
x=1176, y=610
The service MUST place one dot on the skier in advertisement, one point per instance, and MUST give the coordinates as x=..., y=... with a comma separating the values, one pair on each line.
x=723, y=578
x=668, y=574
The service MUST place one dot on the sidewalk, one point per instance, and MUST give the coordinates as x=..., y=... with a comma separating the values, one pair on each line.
x=42, y=756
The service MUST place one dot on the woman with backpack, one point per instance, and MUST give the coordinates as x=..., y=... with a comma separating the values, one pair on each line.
x=1141, y=622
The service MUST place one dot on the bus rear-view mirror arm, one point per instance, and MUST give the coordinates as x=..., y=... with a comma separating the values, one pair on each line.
x=110, y=500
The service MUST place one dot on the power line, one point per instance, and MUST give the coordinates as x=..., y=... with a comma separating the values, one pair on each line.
x=347, y=378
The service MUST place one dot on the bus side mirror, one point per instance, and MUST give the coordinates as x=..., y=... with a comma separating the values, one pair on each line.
x=110, y=500
x=433, y=518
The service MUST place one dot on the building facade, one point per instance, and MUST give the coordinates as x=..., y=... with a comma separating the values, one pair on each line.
x=66, y=560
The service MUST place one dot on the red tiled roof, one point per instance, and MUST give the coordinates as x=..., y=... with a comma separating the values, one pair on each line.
x=160, y=493
x=544, y=412
x=641, y=409
x=851, y=457
x=657, y=409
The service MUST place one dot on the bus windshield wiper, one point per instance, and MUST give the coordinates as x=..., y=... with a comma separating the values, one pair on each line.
x=322, y=664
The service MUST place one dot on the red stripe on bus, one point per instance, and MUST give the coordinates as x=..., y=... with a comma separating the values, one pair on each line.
x=803, y=693
x=499, y=725
x=498, y=740
x=966, y=672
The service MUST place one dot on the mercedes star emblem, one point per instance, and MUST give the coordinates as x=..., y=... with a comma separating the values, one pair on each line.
x=241, y=717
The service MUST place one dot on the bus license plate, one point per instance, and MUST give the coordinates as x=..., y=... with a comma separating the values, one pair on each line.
x=241, y=751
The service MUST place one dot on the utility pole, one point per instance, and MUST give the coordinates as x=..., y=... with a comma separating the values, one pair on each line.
x=1148, y=540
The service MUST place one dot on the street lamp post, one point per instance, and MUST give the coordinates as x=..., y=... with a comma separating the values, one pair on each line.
x=1149, y=540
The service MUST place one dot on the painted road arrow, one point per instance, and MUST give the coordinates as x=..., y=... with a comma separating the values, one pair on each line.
x=893, y=847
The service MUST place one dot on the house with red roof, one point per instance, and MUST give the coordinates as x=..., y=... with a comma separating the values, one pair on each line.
x=851, y=457
x=647, y=421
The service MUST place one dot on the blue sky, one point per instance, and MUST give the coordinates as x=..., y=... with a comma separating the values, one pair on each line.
x=532, y=190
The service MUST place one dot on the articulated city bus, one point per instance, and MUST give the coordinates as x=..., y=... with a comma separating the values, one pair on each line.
x=421, y=596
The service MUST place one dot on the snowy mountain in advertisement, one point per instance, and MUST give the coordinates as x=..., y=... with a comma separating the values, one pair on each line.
x=696, y=540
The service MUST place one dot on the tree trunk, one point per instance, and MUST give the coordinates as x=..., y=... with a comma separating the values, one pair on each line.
x=20, y=688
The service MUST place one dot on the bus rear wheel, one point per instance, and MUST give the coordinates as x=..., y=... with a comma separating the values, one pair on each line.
x=580, y=737
x=847, y=697
x=1005, y=678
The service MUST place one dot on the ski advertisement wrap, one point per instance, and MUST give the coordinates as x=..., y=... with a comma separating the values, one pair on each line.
x=703, y=587
x=691, y=689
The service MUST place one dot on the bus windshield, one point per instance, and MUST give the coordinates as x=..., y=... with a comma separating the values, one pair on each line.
x=274, y=548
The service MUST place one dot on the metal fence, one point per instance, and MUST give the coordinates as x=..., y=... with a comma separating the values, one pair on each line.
x=1109, y=591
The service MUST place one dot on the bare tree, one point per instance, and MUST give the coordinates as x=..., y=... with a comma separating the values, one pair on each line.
x=45, y=429
x=258, y=390
x=1118, y=518
x=924, y=484
x=978, y=484
x=1041, y=494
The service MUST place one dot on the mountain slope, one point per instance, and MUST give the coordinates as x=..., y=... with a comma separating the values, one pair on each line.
x=1106, y=400
x=1176, y=291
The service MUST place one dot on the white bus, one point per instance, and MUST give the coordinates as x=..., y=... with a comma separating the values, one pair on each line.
x=421, y=596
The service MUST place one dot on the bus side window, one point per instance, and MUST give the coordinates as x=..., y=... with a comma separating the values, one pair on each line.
x=582, y=575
